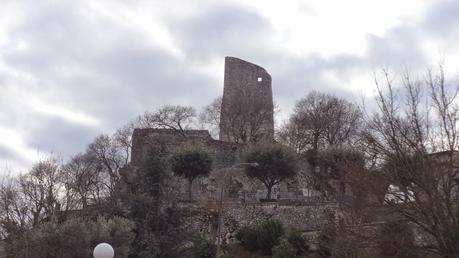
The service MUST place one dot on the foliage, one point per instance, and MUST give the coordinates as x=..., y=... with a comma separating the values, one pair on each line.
x=73, y=238
x=262, y=236
x=297, y=241
x=396, y=239
x=334, y=163
x=191, y=164
x=322, y=122
x=204, y=248
x=152, y=206
x=347, y=238
x=247, y=235
x=326, y=239
x=269, y=232
x=284, y=250
x=275, y=164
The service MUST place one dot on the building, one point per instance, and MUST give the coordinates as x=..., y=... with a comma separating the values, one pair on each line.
x=247, y=104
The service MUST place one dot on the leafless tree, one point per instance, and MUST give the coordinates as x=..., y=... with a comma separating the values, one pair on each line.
x=412, y=143
x=81, y=176
x=109, y=158
x=177, y=118
x=13, y=208
x=209, y=117
x=321, y=120
x=322, y=130
x=40, y=188
x=246, y=118
x=123, y=140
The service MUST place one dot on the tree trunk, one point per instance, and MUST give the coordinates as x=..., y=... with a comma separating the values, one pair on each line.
x=190, y=197
x=268, y=196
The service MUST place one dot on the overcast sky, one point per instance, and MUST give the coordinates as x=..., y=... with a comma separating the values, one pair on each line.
x=71, y=70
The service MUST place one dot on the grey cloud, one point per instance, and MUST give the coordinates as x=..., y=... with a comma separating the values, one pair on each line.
x=58, y=136
x=242, y=32
x=102, y=68
x=5, y=153
x=222, y=31
x=442, y=19
x=397, y=49
x=125, y=77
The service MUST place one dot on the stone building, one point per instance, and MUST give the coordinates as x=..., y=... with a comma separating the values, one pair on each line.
x=246, y=116
x=247, y=91
x=247, y=104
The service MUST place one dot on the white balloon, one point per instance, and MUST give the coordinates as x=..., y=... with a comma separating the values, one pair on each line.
x=103, y=250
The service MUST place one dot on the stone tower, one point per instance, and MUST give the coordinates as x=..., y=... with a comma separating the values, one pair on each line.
x=247, y=104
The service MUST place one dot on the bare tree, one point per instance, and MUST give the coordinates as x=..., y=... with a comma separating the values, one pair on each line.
x=13, y=208
x=177, y=118
x=210, y=116
x=247, y=118
x=123, y=140
x=321, y=120
x=321, y=130
x=81, y=175
x=40, y=189
x=110, y=158
x=412, y=142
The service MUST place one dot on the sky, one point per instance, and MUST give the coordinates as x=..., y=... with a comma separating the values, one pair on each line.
x=71, y=70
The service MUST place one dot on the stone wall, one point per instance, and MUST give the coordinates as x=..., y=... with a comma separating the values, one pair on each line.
x=247, y=90
x=224, y=154
x=305, y=218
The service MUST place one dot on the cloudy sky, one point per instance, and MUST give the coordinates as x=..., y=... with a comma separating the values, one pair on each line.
x=70, y=70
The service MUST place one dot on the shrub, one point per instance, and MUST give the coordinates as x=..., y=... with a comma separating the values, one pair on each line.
x=284, y=250
x=268, y=235
x=327, y=238
x=261, y=237
x=396, y=239
x=74, y=238
x=204, y=248
x=297, y=240
x=247, y=235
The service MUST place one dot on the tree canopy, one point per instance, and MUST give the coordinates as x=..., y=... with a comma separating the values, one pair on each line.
x=190, y=164
x=275, y=164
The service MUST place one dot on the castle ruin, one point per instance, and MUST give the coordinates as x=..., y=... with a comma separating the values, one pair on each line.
x=247, y=104
x=246, y=116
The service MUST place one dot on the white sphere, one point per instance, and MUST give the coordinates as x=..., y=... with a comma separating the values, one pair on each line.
x=103, y=250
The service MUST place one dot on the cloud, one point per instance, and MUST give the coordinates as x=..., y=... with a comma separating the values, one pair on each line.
x=442, y=20
x=223, y=30
x=6, y=153
x=58, y=136
x=70, y=70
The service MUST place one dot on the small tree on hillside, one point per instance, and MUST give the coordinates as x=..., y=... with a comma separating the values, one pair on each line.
x=191, y=164
x=275, y=164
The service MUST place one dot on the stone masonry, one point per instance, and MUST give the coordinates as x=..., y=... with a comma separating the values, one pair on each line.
x=295, y=208
x=247, y=90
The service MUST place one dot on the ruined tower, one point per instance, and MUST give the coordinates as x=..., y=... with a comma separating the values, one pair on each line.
x=247, y=104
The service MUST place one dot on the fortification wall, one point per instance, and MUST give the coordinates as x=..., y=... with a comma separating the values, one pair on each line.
x=247, y=89
x=224, y=154
x=305, y=218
